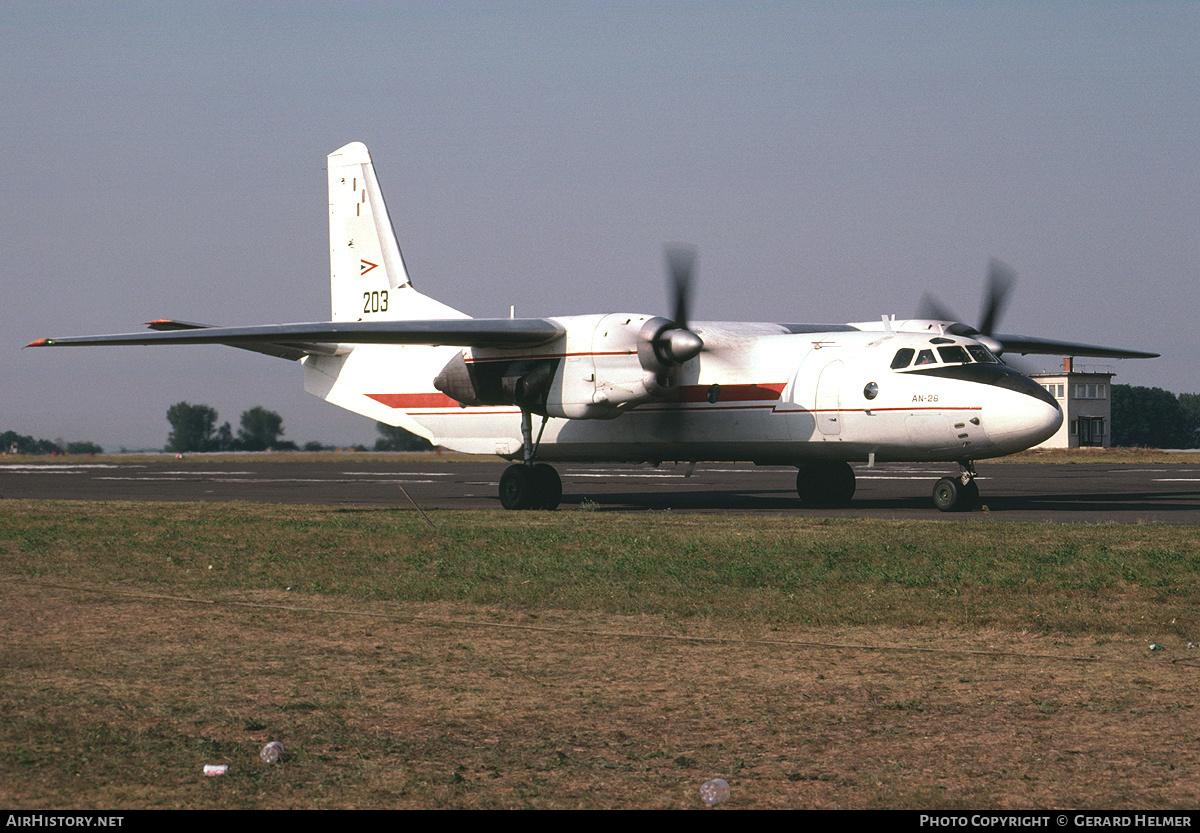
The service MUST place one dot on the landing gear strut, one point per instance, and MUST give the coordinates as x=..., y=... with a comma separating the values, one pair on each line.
x=957, y=494
x=530, y=485
x=825, y=483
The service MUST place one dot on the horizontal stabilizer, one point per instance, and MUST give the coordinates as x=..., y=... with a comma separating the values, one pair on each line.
x=323, y=338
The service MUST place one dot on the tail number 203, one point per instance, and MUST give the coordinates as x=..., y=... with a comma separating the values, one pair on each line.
x=375, y=301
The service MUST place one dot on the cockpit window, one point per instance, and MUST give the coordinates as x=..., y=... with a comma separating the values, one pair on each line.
x=903, y=357
x=981, y=354
x=944, y=354
x=954, y=355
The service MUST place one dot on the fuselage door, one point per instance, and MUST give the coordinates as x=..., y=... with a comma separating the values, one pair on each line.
x=829, y=399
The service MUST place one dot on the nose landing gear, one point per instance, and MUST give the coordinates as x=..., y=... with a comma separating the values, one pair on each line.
x=957, y=494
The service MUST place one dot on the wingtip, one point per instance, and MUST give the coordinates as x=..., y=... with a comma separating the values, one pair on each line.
x=41, y=342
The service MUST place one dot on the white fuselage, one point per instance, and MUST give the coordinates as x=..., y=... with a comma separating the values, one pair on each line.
x=758, y=392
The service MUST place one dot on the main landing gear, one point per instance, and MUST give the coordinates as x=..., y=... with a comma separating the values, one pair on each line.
x=530, y=485
x=958, y=494
x=825, y=484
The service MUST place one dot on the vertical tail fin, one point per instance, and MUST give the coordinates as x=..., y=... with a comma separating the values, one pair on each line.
x=364, y=258
x=368, y=278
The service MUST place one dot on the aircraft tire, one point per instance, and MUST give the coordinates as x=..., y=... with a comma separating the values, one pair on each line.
x=547, y=487
x=825, y=484
x=950, y=494
x=517, y=489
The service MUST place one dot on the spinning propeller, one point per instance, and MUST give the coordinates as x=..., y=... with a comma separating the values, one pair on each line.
x=665, y=345
x=1001, y=279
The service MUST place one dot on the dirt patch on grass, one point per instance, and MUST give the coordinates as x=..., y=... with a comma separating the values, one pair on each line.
x=116, y=699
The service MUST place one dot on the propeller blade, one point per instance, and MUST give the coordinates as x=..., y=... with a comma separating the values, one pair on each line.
x=1001, y=279
x=931, y=308
x=665, y=346
x=681, y=263
x=676, y=344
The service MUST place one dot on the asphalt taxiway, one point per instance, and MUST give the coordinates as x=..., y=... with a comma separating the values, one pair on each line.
x=1061, y=493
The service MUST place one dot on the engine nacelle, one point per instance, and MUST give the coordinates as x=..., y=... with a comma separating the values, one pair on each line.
x=636, y=359
x=603, y=366
x=475, y=381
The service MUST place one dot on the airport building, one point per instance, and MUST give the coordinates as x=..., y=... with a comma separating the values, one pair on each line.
x=1084, y=392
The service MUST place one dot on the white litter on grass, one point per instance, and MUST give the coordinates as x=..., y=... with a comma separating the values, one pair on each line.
x=714, y=792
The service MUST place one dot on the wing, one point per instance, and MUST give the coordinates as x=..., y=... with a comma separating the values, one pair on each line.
x=294, y=341
x=1050, y=347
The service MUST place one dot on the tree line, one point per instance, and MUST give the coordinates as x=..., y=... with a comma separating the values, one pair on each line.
x=11, y=441
x=194, y=428
x=1154, y=418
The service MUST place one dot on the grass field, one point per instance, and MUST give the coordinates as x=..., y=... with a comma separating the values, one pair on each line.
x=572, y=660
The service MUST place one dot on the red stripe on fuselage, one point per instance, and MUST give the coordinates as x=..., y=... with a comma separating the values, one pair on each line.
x=727, y=393
x=404, y=401
x=766, y=394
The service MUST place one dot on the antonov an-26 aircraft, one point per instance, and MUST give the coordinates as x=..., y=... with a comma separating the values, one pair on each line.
x=634, y=387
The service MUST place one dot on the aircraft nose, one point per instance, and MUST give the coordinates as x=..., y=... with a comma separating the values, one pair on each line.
x=1020, y=421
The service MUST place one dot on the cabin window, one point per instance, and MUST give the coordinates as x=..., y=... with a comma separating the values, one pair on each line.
x=902, y=358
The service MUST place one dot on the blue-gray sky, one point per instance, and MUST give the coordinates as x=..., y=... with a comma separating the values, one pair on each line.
x=831, y=161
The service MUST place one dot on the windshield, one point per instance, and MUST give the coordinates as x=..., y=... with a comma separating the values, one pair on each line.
x=946, y=354
x=981, y=354
x=954, y=355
